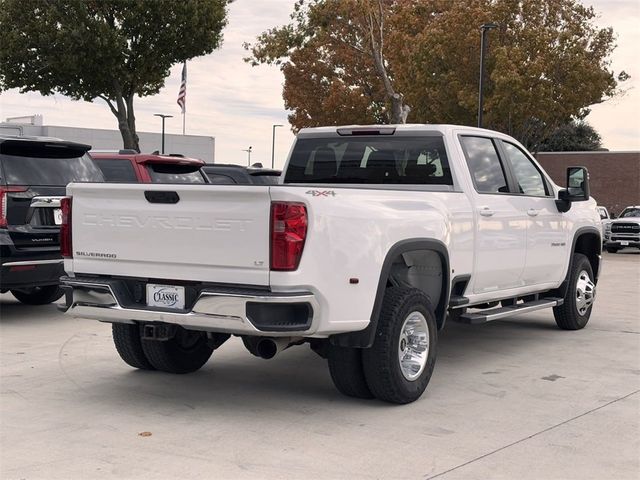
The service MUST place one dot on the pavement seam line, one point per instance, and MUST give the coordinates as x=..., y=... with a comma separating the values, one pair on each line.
x=552, y=427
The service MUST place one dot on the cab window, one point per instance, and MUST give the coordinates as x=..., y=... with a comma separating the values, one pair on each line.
x=529, y=179
x=484, y=165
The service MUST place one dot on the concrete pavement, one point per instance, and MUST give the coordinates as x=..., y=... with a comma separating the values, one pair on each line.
x=517, y=398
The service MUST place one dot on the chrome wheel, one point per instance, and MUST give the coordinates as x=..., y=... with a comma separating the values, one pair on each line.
x=413, y=346
x=585, y=292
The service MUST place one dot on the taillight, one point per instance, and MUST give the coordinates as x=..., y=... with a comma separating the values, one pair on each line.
x=65, y=227
x=288, y=233
x=3, y=202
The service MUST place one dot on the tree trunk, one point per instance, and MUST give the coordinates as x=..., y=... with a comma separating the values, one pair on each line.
x=123, y=111
x=129, y=137
x=375, y=23
x=131, y=122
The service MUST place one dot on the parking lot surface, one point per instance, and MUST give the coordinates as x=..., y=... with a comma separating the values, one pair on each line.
x=517, y=398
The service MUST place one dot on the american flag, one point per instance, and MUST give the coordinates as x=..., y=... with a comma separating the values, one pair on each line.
x=182, y=94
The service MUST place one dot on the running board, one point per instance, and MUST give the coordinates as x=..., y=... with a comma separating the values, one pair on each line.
x=497, y=313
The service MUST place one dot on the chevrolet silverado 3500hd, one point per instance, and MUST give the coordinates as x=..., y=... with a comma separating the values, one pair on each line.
x=374, y=237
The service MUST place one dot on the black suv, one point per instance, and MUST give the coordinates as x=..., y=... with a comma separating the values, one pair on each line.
x=229, y=174
x=34, y=173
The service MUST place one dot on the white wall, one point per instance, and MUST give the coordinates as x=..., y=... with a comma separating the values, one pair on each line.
x=194, y=146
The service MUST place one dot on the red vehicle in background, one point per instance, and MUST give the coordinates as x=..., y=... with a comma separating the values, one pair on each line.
x=128, y=166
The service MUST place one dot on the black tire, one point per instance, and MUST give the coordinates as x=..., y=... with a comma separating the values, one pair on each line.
x=128, y=342
x=611, y=249
x=567, y=315
x=381, y=362
x=345, y=366
x=186, y=352
x=39, y=295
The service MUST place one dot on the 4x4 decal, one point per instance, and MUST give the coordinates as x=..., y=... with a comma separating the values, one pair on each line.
x=321, y=193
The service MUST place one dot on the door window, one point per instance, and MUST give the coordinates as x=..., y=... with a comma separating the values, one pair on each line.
x=529, y=178
x=484, y=165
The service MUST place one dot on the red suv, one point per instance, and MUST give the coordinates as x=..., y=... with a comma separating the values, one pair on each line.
x=128, y=166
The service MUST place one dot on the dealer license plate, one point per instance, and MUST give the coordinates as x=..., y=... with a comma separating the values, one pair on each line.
x=624, y=244
x=57, y=216
x=165, y=296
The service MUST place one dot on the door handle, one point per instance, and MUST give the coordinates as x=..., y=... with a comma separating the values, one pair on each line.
x=532, y=212
x=486, y=212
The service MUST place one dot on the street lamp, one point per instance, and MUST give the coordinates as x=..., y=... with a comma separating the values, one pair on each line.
x=484, y=29
x=273, y=142
x=248, y=150
x=163, y=116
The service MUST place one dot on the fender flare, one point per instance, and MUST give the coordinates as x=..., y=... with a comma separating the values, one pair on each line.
x=561, y=291
x=364, y=338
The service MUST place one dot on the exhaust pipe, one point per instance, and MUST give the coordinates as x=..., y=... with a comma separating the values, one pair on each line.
x=269, y=347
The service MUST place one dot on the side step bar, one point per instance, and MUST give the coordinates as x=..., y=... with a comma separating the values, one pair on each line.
x=497, y=313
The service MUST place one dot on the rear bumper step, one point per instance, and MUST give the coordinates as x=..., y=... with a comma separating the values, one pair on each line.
x=498, y=313
x=256, y=313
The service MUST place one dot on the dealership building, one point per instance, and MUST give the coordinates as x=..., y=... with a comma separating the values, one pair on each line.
x=195, y=146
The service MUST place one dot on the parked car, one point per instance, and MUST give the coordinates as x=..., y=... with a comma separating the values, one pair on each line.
x=33, y=175
x=374, y=238
x=625, y=230
x=126, y=166
x=605, y=220
x=229, y=174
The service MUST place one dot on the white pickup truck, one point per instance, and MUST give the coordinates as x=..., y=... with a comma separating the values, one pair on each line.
x=374, y=236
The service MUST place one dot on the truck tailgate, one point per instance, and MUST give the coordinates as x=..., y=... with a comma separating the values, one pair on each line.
x=211, y=234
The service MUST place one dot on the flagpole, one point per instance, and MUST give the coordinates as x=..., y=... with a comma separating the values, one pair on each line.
x=184, y=117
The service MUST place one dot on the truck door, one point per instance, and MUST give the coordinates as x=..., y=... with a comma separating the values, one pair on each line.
x=547, y=243
x=500, y=225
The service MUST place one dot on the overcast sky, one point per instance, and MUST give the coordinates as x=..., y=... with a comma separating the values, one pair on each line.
x=237, y=104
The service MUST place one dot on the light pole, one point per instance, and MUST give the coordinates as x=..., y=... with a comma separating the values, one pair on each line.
x=248, y=150
x=273, y=142
x=163, y=116
x=484, y=29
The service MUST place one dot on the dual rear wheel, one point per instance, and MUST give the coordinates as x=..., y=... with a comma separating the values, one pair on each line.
x=185, y=352
x=38, y=295
x=399, y=364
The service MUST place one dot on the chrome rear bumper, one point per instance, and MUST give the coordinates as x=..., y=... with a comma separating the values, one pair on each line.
x=286, y=314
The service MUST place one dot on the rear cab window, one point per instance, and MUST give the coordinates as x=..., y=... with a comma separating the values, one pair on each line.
x=173, y=173
x=375, y=159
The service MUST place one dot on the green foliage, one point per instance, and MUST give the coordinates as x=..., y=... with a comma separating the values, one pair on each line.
x=114, y=50
x=575, y=136
x=327, y=56
x=546, y=63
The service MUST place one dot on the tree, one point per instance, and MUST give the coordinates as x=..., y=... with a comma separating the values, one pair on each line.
x=547, y=63
x=333, y=59
x=575, y=136
x=111, y=50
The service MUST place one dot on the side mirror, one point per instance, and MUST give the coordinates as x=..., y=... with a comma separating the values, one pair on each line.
x=578, y=184
x=577, y=188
